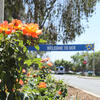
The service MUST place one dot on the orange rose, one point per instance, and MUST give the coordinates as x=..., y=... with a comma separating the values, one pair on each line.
x=42, y=85
x=4, y=27
x=21, y=82
x=23, y=70
x=59, y=92
x=50, y=64
x=32, y=30
x=46, y=59
x=17, y=24
x=17, y=80
x=28, y=74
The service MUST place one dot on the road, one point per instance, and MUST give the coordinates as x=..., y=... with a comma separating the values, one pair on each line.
x=91, y=86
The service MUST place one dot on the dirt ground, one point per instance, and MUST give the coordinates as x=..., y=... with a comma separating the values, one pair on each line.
x=76, y=94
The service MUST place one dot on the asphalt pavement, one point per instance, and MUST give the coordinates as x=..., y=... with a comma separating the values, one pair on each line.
x=89, y=85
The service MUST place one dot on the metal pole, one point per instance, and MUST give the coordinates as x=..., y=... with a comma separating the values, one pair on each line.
x=1, y=11
x=94, y=61
x=87, y=60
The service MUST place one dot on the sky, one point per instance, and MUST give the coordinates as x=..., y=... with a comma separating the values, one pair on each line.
x=91, y=35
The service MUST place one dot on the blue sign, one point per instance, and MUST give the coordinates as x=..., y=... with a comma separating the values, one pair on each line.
x=75, y=47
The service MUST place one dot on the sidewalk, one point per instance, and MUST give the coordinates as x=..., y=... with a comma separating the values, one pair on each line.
x=76, y=93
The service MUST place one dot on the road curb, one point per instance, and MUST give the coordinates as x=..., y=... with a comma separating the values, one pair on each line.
x=83, y=90
x=90, y=93
x=85, y=77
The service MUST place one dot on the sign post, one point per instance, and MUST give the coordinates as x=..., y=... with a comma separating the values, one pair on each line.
x=93, y=62
x=1, y=11
x=86, y=59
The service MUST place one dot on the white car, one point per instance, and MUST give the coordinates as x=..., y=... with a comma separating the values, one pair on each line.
x=60, y=70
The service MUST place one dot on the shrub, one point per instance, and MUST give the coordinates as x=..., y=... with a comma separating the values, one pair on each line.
x=17, y=80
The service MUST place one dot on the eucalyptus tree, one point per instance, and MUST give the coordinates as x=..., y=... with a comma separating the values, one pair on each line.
x=14, y=9
x=61, y=20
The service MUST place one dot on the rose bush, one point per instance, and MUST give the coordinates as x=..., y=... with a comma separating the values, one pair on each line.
x=18, y=81
x=42, y=86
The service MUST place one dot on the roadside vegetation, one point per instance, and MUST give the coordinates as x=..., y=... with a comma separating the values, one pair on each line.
x=18, y=80
x=82, y=63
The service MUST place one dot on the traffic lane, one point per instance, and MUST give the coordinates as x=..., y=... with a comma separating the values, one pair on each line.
x=90, y=85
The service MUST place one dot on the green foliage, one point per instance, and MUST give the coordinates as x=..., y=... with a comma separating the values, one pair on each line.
x=16, y=96
x=13, y=59
x=37, y=47
x=42, y=41
x=14, y=10
x=18, y=81
x=32, y=90
x=79, y=58
x=29, y=62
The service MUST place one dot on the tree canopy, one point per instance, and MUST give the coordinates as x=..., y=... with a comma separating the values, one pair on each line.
x=66, y=64
x=61, y=20
x=78, y=60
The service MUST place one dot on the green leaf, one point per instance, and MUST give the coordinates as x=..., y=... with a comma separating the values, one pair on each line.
x=28, y=62
x=1, y=36
x=42, y=41
x=37, y=47
x=21, y=43
x=36, y=61
x=28, y=42
x=24, y=49
x=19, y=58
